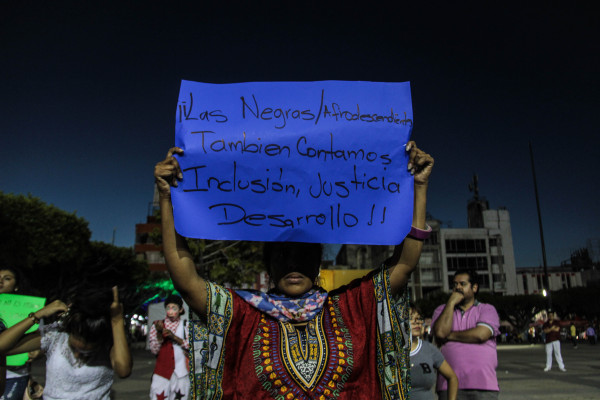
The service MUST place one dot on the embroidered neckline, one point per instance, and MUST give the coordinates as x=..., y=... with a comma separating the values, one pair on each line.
x=320, y=370
x=304, y=361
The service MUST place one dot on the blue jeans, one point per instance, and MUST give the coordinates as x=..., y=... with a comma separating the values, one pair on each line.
x=15, y=388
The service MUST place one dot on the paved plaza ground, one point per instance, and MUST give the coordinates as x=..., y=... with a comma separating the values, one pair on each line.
x=520, y=372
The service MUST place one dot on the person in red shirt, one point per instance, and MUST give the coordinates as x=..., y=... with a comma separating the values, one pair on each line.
x=168, y=340
x=298, y=341
x=552, y=330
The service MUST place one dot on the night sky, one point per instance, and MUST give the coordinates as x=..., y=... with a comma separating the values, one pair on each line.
x=88, y=98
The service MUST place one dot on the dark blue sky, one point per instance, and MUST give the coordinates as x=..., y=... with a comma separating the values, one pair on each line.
x=88, y=98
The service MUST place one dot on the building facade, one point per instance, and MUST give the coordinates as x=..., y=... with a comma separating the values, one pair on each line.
x=145, y=248
x=485, y=245
x=530, y=280
x=487, y=249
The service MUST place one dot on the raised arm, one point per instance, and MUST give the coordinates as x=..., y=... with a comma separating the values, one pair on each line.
x=177, y=255
x=406, y=254
x=15, y=341
x=442, y=327
x=120, y=355
x=443, y=324
x=155, y=337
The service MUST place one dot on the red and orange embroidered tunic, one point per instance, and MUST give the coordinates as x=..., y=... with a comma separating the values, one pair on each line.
x=335, y=356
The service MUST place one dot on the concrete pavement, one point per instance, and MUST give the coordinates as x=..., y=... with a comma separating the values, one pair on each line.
x=520, y=373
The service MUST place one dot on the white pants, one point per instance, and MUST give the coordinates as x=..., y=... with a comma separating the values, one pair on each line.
x=162, y=388
x=554, y=347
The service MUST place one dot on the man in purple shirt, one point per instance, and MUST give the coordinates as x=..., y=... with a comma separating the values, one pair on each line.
x=467, y=330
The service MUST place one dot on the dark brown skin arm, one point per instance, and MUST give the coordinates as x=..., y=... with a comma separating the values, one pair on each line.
x=448, y=373
x=479, y=334
x=179, y=260
x=443, y=325
x=120, y=355
x=407, y=254
x=15, y=341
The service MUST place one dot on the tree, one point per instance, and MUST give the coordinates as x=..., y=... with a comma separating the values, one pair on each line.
x=581, y=260
x=231, y=263
x=52, y=247
x=235, y=263
x=34, y=234
x=519, y=310
x=581, y=301
x=106, y=265
x=42, y=240
x=429, y=303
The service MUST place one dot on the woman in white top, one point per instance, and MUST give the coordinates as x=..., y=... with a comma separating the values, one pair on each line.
x=82, y=349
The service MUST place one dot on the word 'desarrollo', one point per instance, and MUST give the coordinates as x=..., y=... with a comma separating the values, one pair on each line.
x=332, y=217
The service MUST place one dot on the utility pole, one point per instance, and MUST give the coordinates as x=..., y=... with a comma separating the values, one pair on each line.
x=537, y=203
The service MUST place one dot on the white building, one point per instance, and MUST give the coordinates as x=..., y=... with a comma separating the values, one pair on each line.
x=487, y=249
x=486, y=246
x=531, y=280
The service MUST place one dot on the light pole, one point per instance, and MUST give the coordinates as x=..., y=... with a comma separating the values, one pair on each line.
x=537, y=203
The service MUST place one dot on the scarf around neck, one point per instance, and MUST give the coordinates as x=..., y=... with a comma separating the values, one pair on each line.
x=285, y=308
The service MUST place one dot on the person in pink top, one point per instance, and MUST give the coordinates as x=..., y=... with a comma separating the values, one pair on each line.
x=467, y=330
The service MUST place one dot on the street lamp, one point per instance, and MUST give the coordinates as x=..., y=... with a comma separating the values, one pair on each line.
x=537, y=203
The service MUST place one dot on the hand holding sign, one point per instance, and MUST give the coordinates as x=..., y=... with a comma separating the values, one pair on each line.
x=168, y=172
x=14, y=308
x=420, y=164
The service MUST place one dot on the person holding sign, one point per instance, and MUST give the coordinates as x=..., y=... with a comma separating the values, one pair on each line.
x=17, y=375
x=82, y=349
x=2, y=364
x=298, y=341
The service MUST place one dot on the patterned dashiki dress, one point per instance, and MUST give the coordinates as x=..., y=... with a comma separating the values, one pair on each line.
x=357, y=347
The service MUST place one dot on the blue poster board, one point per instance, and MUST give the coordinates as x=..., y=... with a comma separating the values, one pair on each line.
x=294, y=161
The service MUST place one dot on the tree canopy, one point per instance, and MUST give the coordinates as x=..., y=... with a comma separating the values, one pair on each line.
x=230, y=263
x=34, y=234
x=53, y=249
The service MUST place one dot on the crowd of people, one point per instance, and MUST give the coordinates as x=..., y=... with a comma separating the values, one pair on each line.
x=363, y=340
x=84, y=341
